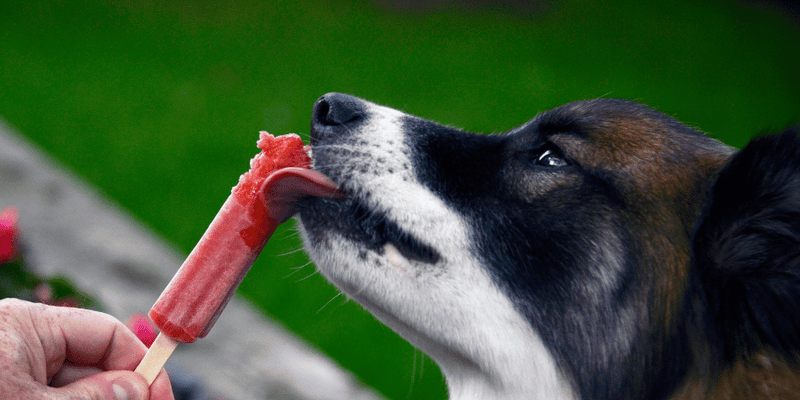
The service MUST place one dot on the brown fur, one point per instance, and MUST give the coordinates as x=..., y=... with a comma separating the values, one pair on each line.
x=651, y=162
x=625, y=240
x=760, y=377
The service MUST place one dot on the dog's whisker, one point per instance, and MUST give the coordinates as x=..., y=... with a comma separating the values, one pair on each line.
x=329, y=301
x=329, y=166
x=316, y=271
x=297, y=269
x=293, y=233
x=413, y=373
x=349, y=148
x=290, y=252
x=302, y=266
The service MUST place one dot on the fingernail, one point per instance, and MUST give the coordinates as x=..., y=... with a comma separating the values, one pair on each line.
x=119, y=392
x=125, y=390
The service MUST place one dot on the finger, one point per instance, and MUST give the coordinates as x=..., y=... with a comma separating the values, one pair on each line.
x=70, y=373
x=111, y=385
x=95, y=339
x=86, y=337
x=20, y=349
x=161, y=388
x=35, y=338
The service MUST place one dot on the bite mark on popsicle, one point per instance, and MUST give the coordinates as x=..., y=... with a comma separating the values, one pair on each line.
x=264, y=197
x=276, y=153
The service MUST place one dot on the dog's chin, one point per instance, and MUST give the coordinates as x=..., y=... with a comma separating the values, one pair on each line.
x=370, y=258
x=368, y=280
x=436, y=296
x=398, y=319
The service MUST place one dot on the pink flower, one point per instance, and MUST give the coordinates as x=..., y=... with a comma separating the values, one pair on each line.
x=143, y=329
x=9, y=232
x=43, y=293
x=66, y=302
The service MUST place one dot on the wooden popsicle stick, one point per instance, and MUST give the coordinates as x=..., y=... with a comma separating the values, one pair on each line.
x=157, y=355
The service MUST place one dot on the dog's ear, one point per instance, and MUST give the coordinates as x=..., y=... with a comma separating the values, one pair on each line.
x=747, y=249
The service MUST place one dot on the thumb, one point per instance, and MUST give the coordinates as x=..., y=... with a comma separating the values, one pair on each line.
x=111, y=385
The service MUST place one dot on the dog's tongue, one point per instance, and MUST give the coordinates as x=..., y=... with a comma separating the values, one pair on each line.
x=286, y=186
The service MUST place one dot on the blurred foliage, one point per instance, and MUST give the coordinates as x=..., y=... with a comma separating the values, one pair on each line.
x=17, y=280
x=159, y=103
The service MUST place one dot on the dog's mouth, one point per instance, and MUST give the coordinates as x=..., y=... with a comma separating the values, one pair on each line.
x=358, y=222
x=322, y=205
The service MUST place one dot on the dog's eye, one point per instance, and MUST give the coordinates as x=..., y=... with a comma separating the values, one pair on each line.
x=550, y=158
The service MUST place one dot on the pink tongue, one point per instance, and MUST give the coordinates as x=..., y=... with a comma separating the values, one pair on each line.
x=281, y=190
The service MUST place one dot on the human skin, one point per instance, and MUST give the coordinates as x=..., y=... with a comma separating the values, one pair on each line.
x=56, y=353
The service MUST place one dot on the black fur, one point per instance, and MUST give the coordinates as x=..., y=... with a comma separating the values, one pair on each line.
x=639, y=274
x=747, y=251
x=539, y=246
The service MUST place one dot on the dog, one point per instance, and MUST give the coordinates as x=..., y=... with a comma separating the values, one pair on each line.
x=602, y=250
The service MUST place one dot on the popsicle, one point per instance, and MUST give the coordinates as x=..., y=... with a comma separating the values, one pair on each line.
x=264, y=197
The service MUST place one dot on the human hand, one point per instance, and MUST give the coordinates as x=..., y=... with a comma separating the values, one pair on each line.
x=59, y=353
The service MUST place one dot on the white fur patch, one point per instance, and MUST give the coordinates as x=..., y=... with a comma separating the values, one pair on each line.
x=452, y=310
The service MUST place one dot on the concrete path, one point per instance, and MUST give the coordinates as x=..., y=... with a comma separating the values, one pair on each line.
x=70, y=230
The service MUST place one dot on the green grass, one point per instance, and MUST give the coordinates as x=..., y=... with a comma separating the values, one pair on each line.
x=159, y=104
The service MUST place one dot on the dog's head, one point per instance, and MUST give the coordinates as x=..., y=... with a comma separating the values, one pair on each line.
x=553, y=260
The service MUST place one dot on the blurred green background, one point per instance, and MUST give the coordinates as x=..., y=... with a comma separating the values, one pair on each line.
x=159, y=103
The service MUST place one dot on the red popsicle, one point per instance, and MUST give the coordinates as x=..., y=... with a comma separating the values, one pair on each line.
x=263, y=198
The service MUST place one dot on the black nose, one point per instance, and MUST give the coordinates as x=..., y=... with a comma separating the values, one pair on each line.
x=334, y=109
